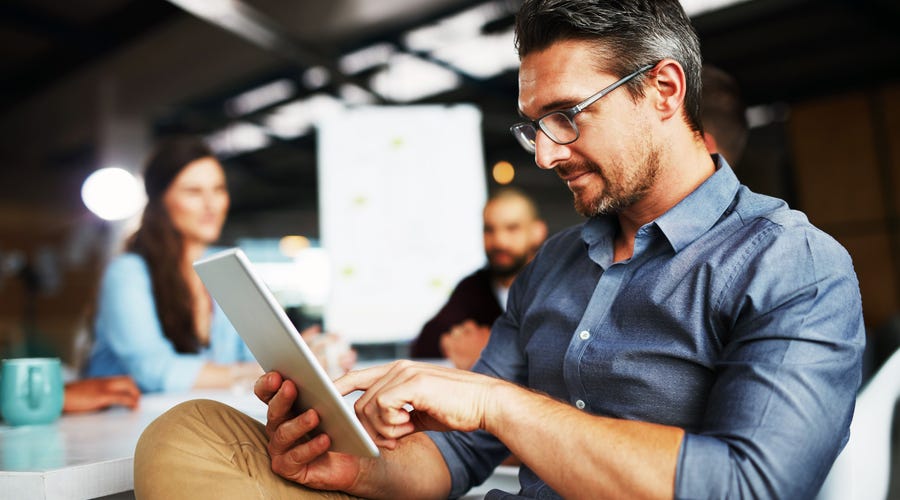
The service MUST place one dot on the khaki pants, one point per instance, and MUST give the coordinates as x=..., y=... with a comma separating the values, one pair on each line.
x=205, y=449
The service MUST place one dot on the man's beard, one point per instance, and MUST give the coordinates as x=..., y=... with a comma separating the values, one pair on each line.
x=619, y=193
x=507, y=270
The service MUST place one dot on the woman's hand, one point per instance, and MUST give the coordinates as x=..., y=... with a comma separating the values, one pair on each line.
x=94, y=394
x=332, y=351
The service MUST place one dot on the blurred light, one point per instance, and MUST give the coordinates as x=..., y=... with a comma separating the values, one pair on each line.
x=297, y=118
x=260, y=97
x=207, y=8
x=237, y=17
x=459, y=41
x=316, y=77
x=113, y=193
x=238, y=138
x=760, y=116
x=303, y=281
x=408, y=78
x=355, y=95
x=503, y=172
x=454, y=28
x=366, y=58
x=481, y=56
x=696, y=7
x=291, y=246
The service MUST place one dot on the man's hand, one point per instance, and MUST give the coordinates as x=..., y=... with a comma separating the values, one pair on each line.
x=295, y=455
x=404, y=397
x=464, y=342
x=98, y=393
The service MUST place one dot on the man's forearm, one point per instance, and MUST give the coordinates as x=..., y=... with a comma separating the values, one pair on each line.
x=585, y=456
x=415, y=469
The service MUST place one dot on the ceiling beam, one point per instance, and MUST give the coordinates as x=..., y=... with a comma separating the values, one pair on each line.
x=254, y=26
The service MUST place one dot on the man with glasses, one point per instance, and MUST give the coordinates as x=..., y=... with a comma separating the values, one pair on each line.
x=691, y=339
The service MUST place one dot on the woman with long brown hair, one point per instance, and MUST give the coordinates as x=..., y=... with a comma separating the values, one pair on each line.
x=155, y=320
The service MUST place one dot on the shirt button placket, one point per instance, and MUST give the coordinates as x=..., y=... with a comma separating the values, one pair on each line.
x=583, y=335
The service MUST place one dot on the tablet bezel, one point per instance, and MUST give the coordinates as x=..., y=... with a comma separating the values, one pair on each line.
x=277, y=345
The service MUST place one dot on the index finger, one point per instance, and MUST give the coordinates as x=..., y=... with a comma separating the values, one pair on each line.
x=356, y=380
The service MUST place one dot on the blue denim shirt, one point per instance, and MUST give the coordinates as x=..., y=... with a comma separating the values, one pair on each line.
x=735, y=319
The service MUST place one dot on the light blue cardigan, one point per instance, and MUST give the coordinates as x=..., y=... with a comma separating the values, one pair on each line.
x=129, y=339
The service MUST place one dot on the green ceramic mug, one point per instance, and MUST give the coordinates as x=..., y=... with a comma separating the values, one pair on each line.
x=31, y=390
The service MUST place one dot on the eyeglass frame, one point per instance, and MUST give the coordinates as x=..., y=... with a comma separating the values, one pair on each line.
x=569, y=113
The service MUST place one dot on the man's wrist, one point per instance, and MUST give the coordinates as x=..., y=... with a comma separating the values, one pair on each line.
x=364, y=485
x=499, y=397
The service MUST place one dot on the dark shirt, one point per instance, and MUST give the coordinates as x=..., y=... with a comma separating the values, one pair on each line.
x=473, y=298
x=735, y=319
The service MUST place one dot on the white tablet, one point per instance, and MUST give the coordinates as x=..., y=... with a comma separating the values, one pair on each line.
x=277, y=346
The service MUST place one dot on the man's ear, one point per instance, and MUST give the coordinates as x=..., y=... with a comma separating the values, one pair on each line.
x=538, y=233
x=667, y=88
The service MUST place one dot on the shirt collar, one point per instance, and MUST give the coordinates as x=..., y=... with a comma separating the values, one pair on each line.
x=699, y=211
x=681, y=224
x=598, y=234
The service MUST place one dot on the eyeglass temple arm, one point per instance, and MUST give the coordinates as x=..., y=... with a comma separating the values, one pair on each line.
x=607, y=90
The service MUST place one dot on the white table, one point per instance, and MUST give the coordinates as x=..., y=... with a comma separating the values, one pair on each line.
x=92, y=455
x=89, y=455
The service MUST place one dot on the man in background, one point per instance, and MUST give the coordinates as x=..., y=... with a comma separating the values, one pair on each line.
x=723, y=114
x=513, y=231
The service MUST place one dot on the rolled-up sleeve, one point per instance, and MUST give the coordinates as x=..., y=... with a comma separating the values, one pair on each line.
x=780, y=408
x=472, y=456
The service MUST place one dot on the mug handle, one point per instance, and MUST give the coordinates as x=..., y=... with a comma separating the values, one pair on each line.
x=35, y=386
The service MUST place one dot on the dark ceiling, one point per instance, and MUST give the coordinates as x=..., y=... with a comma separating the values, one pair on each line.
x=790, y=50
x=42, y=41
x=779, y=51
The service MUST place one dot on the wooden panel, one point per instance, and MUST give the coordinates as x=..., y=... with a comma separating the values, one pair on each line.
x=891, y=114
x=12, y=297
x=877, y=282
x=45, y=322
x=12, y=338
x=836, y=166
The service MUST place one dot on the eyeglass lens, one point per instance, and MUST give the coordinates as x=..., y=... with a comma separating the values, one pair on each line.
x=557, y=126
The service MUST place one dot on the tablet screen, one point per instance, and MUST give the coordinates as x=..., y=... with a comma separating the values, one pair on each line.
x=278, y=346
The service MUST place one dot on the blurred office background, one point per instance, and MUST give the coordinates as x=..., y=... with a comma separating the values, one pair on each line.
x=90, y=84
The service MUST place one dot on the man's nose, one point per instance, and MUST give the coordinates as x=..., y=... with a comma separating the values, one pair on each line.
x=547, y=154
x=501, y=240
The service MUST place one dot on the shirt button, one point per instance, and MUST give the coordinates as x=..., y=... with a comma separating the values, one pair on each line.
x=579, y=404
x=584, y=335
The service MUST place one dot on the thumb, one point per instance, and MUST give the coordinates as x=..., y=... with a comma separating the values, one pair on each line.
x=423, y=422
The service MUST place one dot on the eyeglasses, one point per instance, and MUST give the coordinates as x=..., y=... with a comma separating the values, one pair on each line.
x=559, y=125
